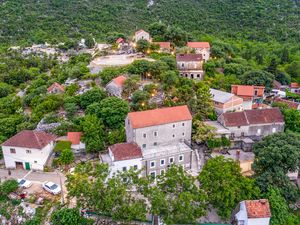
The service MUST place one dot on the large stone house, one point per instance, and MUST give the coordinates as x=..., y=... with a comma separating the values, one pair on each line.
x=28, y=150
x=202, y=48
x=252, y=212
x=250, y=94
x=142, y=35
x=115, y=86
x=256, y=122
x=226, y=102
x=190, y=65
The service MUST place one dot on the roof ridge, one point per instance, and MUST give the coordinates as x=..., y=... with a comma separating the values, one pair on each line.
x=37, y=138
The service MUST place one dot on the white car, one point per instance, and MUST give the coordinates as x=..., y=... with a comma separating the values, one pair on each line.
x=51, y=187
x=24, y=183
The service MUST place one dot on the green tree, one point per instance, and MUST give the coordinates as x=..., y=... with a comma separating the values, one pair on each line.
x=222, y=180
x=67, y=216
x=259, y=77
x=89, y=42
x=131, y=84
x=202, y=132
x=109, y=73
x=139, y=100
x=291, y=119
x=91, y=96
x=158, y=31
x=93, y=130
x=5, y=89
x=142, y=46
x=293, y=70
x=66, y=156
x=170, y=79
x=7, y=187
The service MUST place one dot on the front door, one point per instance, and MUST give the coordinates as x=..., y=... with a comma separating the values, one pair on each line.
x=27, y=166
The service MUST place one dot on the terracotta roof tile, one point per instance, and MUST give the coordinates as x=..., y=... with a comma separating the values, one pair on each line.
x=258, y=208
x=74, y=137
x=125, y=151
x=291, y=104
x=245, y=90
x=159, y=116
x=294, y=85
x=255, y=116
x=139, y=31
x=30, y=139
x=188, y=57
x=119, y=40
x=56, y=85
x=164, y=45
x=119, y=81
x=198, y=44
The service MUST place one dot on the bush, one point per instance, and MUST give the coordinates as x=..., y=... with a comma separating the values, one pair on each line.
x=61, y=145
x=8, y=186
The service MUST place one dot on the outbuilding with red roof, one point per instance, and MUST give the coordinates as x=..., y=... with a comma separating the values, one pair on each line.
x=115, y=86
x=56, y=88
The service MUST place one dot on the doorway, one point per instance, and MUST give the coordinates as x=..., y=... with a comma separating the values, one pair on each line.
x=19, y=165
x=27, y=166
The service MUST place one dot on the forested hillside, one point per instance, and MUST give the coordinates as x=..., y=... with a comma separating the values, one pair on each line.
x=51, y=20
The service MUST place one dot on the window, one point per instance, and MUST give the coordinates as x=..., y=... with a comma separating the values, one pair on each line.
x=28, y=151
x=152, y=164
x=144, y=135
x=242, y=134
x=273, y=129
x=255, y=92
x=173, y=125
x=153, y=174
x=155, y=133
x=13, y=151
x=198, y=75
x=183, y=134
x=144, y=145
x=183, y=124
x=182, y=65
x=180, y=159
x=173, y=135
x=171, y=159
x=124, y=168
x=162, y=162
x=155, y=143
x=135, y=167
x=239, y=126
x=35, y=161
x=162, y=172
x=258, y=131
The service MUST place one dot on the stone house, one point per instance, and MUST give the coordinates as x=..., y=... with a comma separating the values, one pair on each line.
x=190, y=65
x=164, y=46
x=225, y=102
x=250, y=94
x=28, y=150
x=257, y=122
x=115, y=86
x=295, y=88
x=142, y=35
x=56, y=88
x=252, y=212
x=202, y=48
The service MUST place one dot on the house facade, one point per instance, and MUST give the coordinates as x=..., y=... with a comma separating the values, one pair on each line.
x=250, y=94
x=115, y=86
x=142, y=35
x=226, y=102
x=202, y=48
x=252, y=212
x=56, y=88
x=28, y=150
x=257, y=122
x=164, y=46
x=190, y=65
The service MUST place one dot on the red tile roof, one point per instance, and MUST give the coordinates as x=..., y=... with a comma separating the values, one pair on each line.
x=125, y=151
x=294, y=85
x=119, y=40
x=164, y=45
x=188, y=57
x=56, y=85
x=159, y=116
x=198, y=44
x=74, y=137
x=255, y=116
x=30, y=139
x=139, y=31
x=245, y=90
x=291, y=104
x=119, y=81
x=258, y=208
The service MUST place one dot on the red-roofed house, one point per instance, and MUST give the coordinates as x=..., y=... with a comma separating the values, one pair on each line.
x=252, y=212
x=115, y=86
x=120, y=40
x=290, y=104
x=122, y=157
x=190, y=65
x=28, y=150
x=56, y=88
x=75, y=139
x=295, y=88
x=249, y=94
x=202, y=48
x=142, y=35
x=164, y=46
x=256, y=122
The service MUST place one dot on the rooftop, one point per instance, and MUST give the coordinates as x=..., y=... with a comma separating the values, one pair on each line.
x=30, y=139
x=74, y=137
x=198, y=44
x=189, y=57
x=125, y=151
x=164, y=45
x=56, y=85
x=291, y=104
x=140, y=31
x=119, y=81
x=294, y=85
x=221, y=96
x=160, y=116
x=258, y=208
x=245, y=90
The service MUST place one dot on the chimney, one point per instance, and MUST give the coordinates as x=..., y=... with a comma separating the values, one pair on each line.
x=238, y=155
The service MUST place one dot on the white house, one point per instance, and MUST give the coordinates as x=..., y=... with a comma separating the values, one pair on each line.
x=142, y=35
x=252, y=212
x=202, y=48
x=122, y=157
x=28, y=150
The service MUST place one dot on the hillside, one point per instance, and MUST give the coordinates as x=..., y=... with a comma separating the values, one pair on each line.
x=37, y=21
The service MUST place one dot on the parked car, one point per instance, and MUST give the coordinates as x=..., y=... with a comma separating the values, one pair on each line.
x=51, y=187
x=24, y=183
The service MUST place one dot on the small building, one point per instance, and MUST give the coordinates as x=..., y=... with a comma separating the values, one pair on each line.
x=202, y=48
x=164, y=46
x=190, y=65
x=115, y=86
x=290, y=104
x=226, y=102
x=249, y=94
x=295, y=88
x=75, y=139
x=142, y=35
x=56, y=88
x=28, y=150
x=252, y=212
x=120, y=41
x=256, y=122
x=122, y=157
